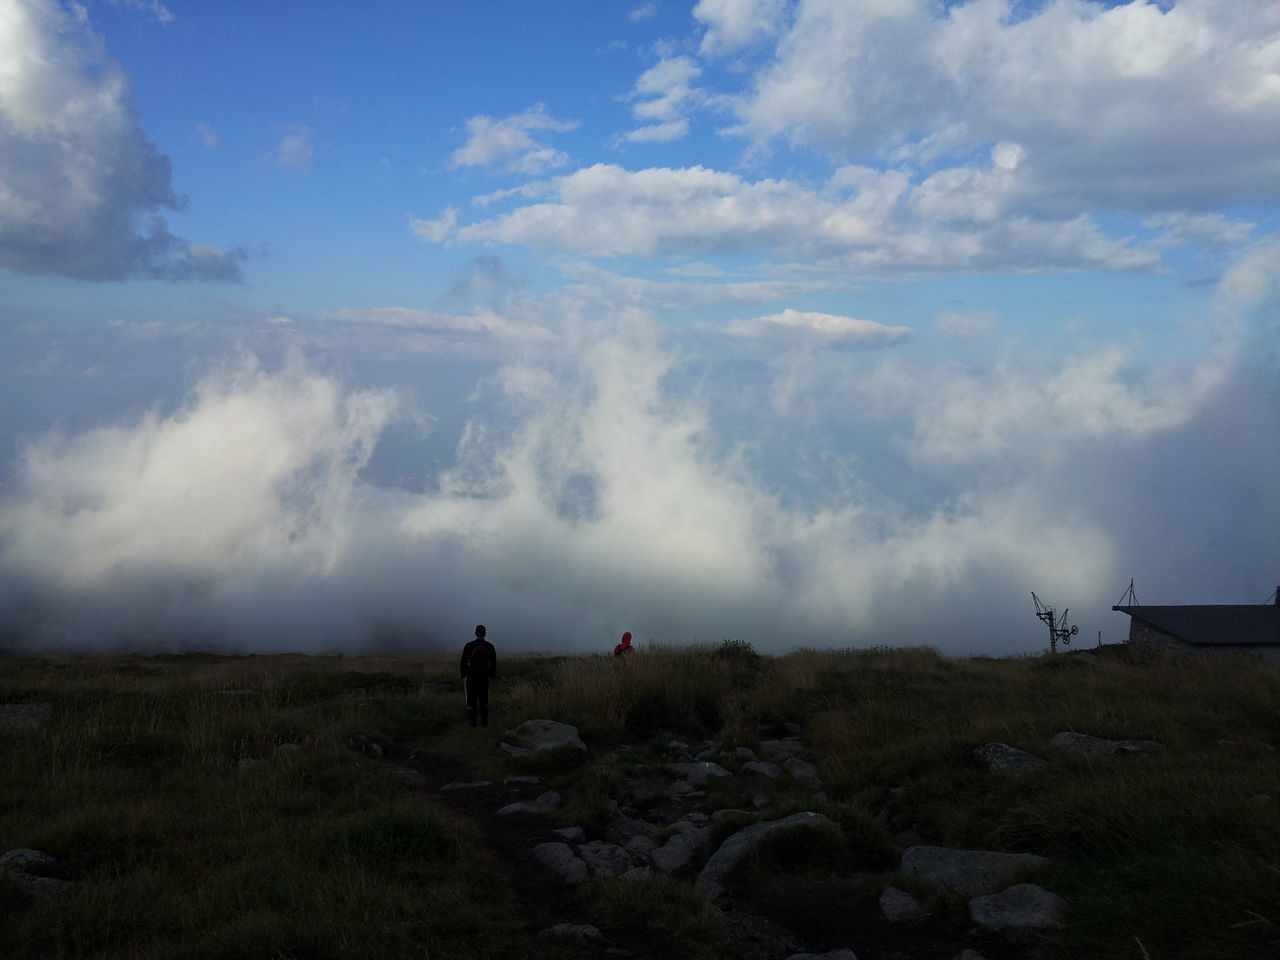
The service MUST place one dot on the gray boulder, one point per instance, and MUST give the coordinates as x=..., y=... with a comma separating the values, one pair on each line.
x=676, y=854
x=803, y=773
x=547, y=802
x=604, y=859
x=1088, y=746
x=534, y=736
x=26, y=868
x=831, y=955
x=763, y=768
x=970, y=873
x=1008, y=761
x=30, y=715
x=1021, y=907
x=785, y=748
x=561, y=859
x=572, y=834
x=744, y=753
x=743, y=842
x=969, y=955
x=468, y=785
x=898, y=905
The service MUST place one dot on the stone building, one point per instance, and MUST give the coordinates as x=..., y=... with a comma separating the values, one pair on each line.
x=1206, y=628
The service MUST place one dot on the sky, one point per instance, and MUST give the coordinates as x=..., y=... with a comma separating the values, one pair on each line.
x=810, y=323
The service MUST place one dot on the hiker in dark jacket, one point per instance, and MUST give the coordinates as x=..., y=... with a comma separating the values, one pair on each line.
x=479, y=665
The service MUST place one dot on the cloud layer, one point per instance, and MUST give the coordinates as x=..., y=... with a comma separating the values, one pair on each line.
x=589, y=494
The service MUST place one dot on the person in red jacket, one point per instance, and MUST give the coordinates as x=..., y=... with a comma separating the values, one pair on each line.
x=479, y=666
x=624, y=649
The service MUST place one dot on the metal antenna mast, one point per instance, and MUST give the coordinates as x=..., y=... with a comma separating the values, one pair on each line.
x=1058, y=629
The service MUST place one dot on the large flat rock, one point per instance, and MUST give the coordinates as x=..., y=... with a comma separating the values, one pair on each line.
x=743, y=842
x=970, y=873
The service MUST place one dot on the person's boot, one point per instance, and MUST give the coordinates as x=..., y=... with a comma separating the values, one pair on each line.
x=471, y=716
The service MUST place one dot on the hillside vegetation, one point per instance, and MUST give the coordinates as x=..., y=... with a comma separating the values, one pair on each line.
x=289, y=806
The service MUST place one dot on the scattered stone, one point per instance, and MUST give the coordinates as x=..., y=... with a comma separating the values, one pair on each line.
x=803, y=773
x=970, y=873
x=1008, y=761
x=678, y=851
x=678, y=746
x=969, y=955
x=624, y=828
x=640, y=846
x=1261, y=798
x=366, y=745
x=821, y=797
x=512, y=750
x=288, y=747
x=561, y=859
x=408, y=775
x=1021, y=907
x=547, y=802
x=1088, y=746
x=743, y=842
x=898, y=905
x=699, y=773
x=696, y=816
x=604, y=859
x=574, y=931
x=27, y=868
x=763, y=768
x=30, y=715
x=534, y=736
x=727, y=813
x=786, y=748
x=572, y=834
x=759, y=801
x=468, y=785
x=248, y=763
x=526, y=779
x=745, y=753
x=708, y=754
x=791, y=729
x=639, y=872
x=831, y=955
x=681, y=788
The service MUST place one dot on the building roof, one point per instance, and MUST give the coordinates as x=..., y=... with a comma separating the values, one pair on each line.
x=1214, y=625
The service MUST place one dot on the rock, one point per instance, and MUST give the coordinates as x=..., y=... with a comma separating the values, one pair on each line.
x=535, y=736
x=803, y=773
x=288, y=747
x=744, y=753
x=970, y=873
x=1008, y=761
x=468, y=785
x=696, y=816
x=572, y=834
x=759, y=801
x=624, y=828
x=547, y=802
x=244, y=692
x=1088, y=746
x=27, y=869
x=969, y=955
x=681, y=788
x=526, y=779
x=786, y=748
x=708, y=754
x=1021, y=907
x=898, y=905
x=514, y=751
x=678, y=851
x=574, y=931
x=727, y=813
x=743, y=842
x=248, y=763
x=791, y=729
x=561, y=859
x=30, y=715
x=407, y=775
x=700, y=772
x=678, y=747
x=764, y=769
x=640, y=846
x=831, y=955
x=604, y=859
x=367, y=745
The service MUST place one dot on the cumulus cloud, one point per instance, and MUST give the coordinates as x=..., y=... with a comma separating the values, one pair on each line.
x=642, y=11
x=482, y=323
x=1131, y=106
x=510, y=142
x=592, y=491
x=81, y=186
x=866, y=222
x=794, y=326
x=733, y=25
x=666, y=94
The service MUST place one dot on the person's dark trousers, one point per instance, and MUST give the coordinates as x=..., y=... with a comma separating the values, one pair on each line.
x=477, y=700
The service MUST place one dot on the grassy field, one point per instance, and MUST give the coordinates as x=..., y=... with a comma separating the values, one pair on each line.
x=257, y=807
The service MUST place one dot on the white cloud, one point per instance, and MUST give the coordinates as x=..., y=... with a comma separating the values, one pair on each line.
x=974, y=323
x=591, y=492
x=1211, y=230
x=438, y=230
x=733, y=25
x=208, y=136
x=867, y=222
x=595, y=284
x=509, y=142
x=668, y=87
x=642, y=11
x=794, y=326
x=1121, y=107
x=81, y=186
x=296, y=149
x=484, y=322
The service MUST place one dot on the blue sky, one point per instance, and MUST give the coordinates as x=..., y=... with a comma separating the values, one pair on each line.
x=801, y=321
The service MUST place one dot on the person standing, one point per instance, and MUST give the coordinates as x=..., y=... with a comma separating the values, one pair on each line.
x=624, y=649
x=479, y=666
